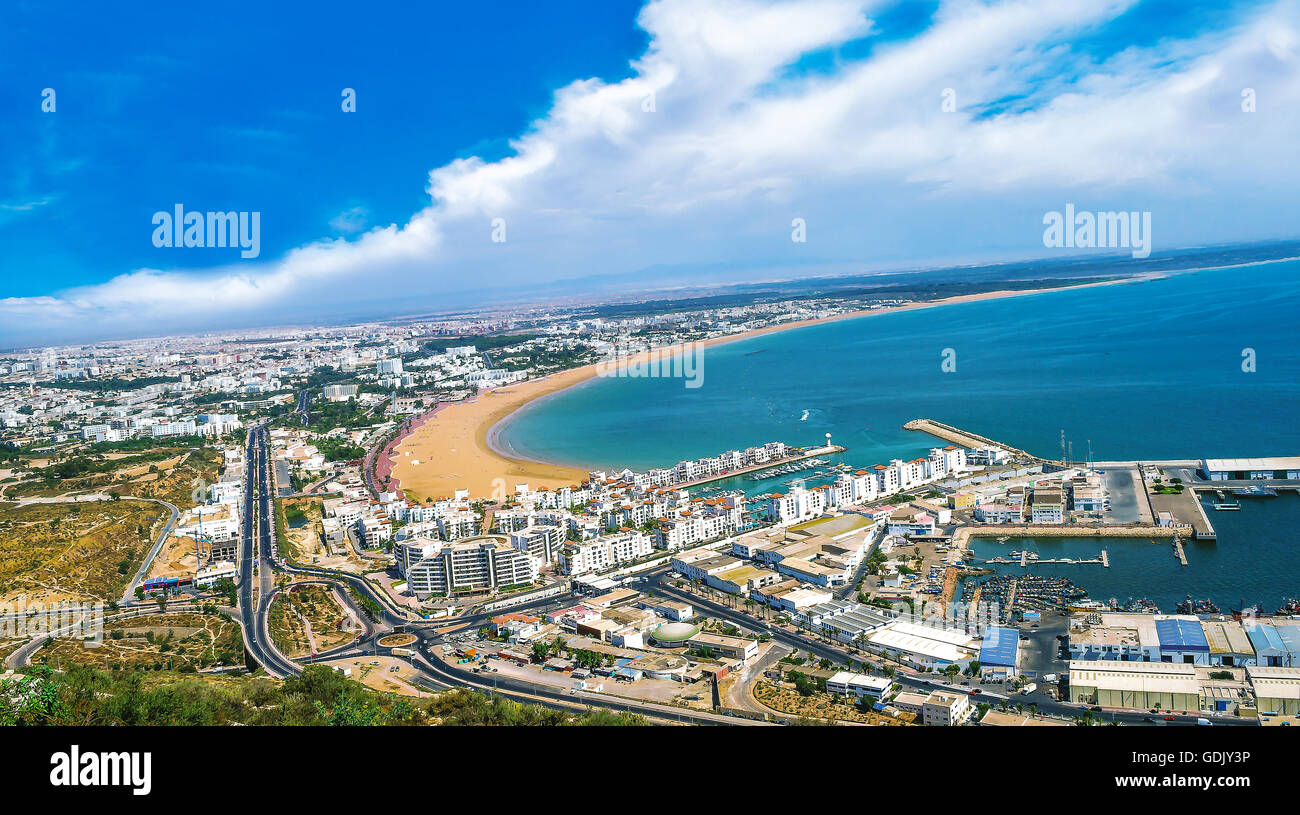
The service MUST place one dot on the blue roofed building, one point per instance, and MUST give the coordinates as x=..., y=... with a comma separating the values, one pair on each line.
x=1277, y=645
x=999, y=652
x=1182, y=640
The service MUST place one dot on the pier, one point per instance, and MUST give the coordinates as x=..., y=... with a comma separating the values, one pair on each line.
x=1025, y=561
x=965, y=438
x=767, y=465
x=1178, y=550
x=1185, y=507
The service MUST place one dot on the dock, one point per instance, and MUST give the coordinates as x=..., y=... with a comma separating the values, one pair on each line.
x=1105, y=559
x=1186, y=509
x=767, y=465
x=1178, y=551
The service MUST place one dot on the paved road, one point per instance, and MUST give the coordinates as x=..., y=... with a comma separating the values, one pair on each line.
x=128, y=595
x=837, y=655
x=256, y=541
x=1121, y=486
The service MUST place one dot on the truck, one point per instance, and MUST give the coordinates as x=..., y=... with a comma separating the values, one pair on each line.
x=1028, y=689
x=403, y=652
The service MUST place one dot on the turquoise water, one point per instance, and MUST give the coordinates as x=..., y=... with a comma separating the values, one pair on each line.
x=1143, y=370
x=1149, y=370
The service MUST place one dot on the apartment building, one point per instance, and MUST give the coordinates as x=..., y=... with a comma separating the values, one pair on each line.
x=540, y=541
x=604, y=552
x=473, y=565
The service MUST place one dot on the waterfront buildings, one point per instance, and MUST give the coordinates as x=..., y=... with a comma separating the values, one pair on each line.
x=1282, y=468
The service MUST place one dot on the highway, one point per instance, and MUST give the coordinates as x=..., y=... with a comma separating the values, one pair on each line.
x=256, y=541
x=258, y=547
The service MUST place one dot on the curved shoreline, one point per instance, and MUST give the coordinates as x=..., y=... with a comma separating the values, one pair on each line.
x=468, y=451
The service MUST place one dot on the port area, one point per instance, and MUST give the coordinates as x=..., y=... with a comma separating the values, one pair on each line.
x=1148, y=497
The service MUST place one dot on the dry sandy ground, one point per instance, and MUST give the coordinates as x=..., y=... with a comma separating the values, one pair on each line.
x=379, y=677
x=452, y=447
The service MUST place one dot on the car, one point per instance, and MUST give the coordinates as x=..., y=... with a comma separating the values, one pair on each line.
x=1171, y=718
x=1148, y=719
x=1095, y=708
x=975, y=692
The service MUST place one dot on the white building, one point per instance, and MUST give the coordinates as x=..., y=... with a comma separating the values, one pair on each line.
x=945, y=709
x=858, y=686
x=209, y=575
x=604, y=552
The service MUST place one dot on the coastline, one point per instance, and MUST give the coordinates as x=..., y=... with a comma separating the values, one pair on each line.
x=459, y=447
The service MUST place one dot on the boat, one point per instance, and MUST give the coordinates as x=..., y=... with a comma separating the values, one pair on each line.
x=1004, y=539
x=1085, y=605
x=1140, y=605
x=1255, y=491
x=1190, y=606
x=1223, y=506
x=1290, y=607
x=1244, y=610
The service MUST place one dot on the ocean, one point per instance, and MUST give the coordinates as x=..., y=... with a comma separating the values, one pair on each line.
x=1150, y=369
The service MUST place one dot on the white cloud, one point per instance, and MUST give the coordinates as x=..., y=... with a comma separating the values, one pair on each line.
x=737, y=142
x=350, y=221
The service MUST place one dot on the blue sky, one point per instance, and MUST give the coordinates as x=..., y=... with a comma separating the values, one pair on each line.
x=620, y=143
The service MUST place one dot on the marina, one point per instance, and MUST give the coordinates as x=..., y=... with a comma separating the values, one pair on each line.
x=1242, y=562
x=788, y=469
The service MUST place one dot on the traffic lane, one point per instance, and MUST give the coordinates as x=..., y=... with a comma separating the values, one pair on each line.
x=823, y=651
x=527, y=690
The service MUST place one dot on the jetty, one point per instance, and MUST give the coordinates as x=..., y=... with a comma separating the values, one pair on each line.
x=965, y=438
x=1024, y=560
x=1178, y=550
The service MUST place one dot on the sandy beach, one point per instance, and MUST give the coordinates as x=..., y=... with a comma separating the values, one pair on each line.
x=452, y=450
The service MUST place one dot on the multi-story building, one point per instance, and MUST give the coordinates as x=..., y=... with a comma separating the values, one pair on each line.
x=604, y=552
x=541, y=541
x=944, y=709
x=473, y=565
